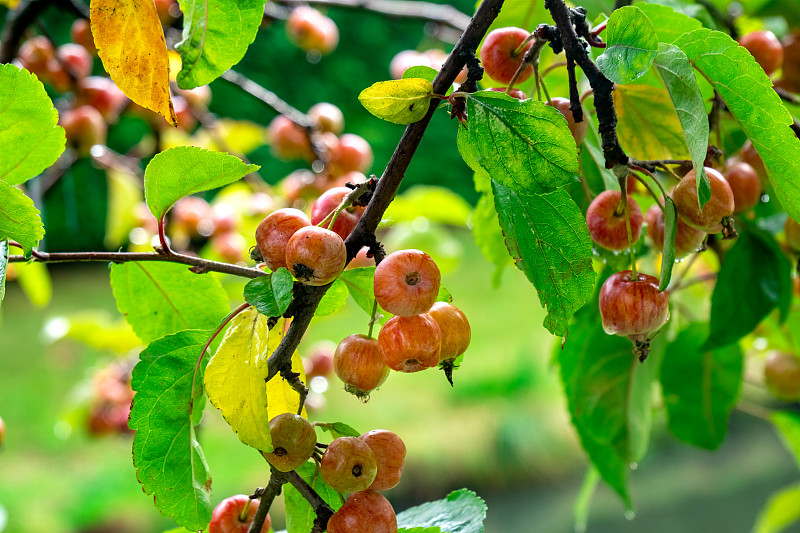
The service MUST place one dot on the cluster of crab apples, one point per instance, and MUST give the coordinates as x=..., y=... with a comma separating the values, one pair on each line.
x=359, y=466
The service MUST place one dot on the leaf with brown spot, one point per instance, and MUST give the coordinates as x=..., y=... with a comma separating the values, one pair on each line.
x=130, y=43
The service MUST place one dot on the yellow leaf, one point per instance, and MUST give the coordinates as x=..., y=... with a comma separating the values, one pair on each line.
x=12, y=4
x=130, y=42
x=235, y=379
x=400, y=101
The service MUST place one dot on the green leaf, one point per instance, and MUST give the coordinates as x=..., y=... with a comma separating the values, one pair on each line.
x=359, y=283
x=547, y=236
x=755, y=271
x=419, y=530
x=678, y=76
x=299, y=514
x=162, y=298
x=580, y=511
x=488, y=235
x=668, y=23
x=461, y=512
x=632, y=45
x=30, y=138
x=437, y=204
x=524, y=145
x=34, y=279
x=19, y=219
x=781, y=511
x=788, y=425
x=333, y=300
x=670, y=229
x=3, y=268
x=749, y=96
x=178, y=172
x=216, y=34
x=338, y=429
x=402, y=101
x=168, y=403
x=270, y=294
x=700, y=387
x=420, y=71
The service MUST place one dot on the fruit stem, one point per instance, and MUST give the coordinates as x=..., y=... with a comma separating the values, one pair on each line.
x=622, y=177
x=347, y=201
x=650, y=174
x=373, y=319
x=243, y=514
x=518, y=50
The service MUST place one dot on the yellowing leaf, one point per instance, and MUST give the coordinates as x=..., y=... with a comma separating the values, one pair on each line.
x=130, y=42
x=235, y=379
x=399, y=101
x=648, y=124
x=12, y=4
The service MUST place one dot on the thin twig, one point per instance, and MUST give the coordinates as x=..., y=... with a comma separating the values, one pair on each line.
x=265, y=499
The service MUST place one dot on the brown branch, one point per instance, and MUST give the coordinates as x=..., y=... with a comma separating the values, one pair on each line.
x=321, y=508
x=265, y=498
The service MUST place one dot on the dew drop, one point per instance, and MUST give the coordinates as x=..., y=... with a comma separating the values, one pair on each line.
x=630, y=515
x=760, y=343
x=634, y=466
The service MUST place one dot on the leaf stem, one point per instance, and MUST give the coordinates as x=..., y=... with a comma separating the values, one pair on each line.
x=373, y=319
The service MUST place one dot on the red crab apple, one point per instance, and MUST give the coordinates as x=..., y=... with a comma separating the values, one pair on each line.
x=35, y=53
x=102, y=94
x=327, y=203
x=190, y=213
x=404, y=60
x=577, y=129
x=230, y=247
x=84, y=127
x=315, y=256
x=715, y=215
x=81, y=33
x=320, y=359
x=354, y=153
x=791, y=57
x=687, y=239
x=632, y=306
x=76, y=59
x=348, y=465
x=406, y=282
x=792, y=231
x=745, y=185
x=364, y=512
x=782, y=376
x=274, y=232
x=411, y=343
x=513, y=93
x=765, y=48
x=311, y=30
x=750, y=155
x=358, y=361
x=327, y=117
x=293, y=441
x=288, y=141
x=607, y=226
x=390, y=455
x=502, y=53
x=456, y=334
x=234, y=515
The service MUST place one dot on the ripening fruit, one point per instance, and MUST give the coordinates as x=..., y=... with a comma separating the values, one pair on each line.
x=390, y=456
x=354, y=154
x=406, y=282
x=501, y=54
x=782, y=376
x=274, y=232
x=577, y=129
x=35, y=54
x=750, y=155
x=320, y=359
x=633, y=307
x=183, y=113
x=358, y=361
x=719, y=207
x=364, y=512
x=455, y=330
x=76, y=59
x=327, y=117
x=293, y=441
x=198, y=97
x=234, y=515
x=791, y=57
x=311, y=30
x=81, y=33
x=792, y=231
x=231, y=246
x=361, y=259
x=513, y=93
x=687, y=239
x=287, y=140
x=607, y=227
x=327, y=203
x=190, y=214
x=765, y=48
x=404, y=60
x=411, y=343
x=745, y=185
x=348, y=465
x=315, y=256
x=84, y=127
x=102, y=94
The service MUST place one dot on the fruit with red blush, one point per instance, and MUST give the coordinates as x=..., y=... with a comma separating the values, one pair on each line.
x=327, y=204
x=359, y=363
x=715, y=215
x=183, y=113
x=102, y=94
x=231, y=247
x=513, y=93
x=607, y=224
x=274, y=232
x=364, y=512
x=190, y=213
x=411, y=343
x=502, y=53
x=320, y=359
x=293, y=441
x=390, y=456
x=765, y=48
x=404, y=60
x=35, y=53
x=577, y=129
x=407, y=282
x=354, y=154
x=687, y=239
x=745, y=185
x=75, y=59
x=311, y=30
x=288, y=141
x=327, y=117
x=81, y=33
x=348, y=465
x=315, y=256
x=84, y=127
x=235, y=514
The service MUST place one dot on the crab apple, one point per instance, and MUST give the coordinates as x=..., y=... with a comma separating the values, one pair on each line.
x=791, y=57
x=436, y=59
x=183, y=113
x=719, y=207
x=198, y=97
x=81, y=33
x=577, y=129
x=167, y=10
x=226, y=217
x=327, y=117
x=230, y=247
x=102, y=94
x=792, y=231
x=359, y=363
x=234, y=515
x=84, y=127
x=354, y=153
x=750, y=155
x=687, y=239
x=300, y=186
x=390, y=456
x=327, y=204
x=406, y=282
x=288, y=141
x=361, y=259
x=745, y=185
x=76, y=59
x=782, y=376
x=35, y=54
x=348, y=465
x=274, y=232
x=633, y=306
x=411, y=343
x=58, y=77
x=765, y=48
x=315, y=256
x=607, y=227
x=293, y=441
x=404, y=60
x=455, y=329
x=501, y=54
x=320, y=359
x=311, y=30
x=513, y=93
x=364, y=512
x=190, y=213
